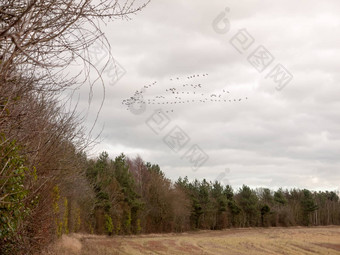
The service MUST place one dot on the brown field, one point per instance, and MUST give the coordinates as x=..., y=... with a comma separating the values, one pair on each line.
x=298, y=240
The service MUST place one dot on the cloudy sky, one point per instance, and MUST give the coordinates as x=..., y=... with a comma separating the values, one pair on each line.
x=266, y=135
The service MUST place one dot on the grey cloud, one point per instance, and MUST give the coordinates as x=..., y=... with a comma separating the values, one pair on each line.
x=287, y=138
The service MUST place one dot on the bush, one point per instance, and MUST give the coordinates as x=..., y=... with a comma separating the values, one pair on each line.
x=14, y=206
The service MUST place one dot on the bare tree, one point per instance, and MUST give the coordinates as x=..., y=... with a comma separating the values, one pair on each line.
x=39, y=40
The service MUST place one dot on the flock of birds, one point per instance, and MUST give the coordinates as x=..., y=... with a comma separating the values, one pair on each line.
x=184, y=93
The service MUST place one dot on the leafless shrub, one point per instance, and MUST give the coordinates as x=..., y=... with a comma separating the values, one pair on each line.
x=39, y=40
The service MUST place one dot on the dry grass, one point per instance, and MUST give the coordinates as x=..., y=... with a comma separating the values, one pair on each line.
x=295, y=241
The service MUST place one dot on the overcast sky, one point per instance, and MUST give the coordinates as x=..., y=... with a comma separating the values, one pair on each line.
x=266, y=135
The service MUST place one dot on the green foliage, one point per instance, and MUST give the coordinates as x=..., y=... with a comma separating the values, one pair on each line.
x=65, y=218
x=118, y=228
x=138, y=227
x=267, y=197
x=59, y=228
x=308, y=206
x=98, y=170
x=108, y=224
x=264, y=211
x=114, y=187
x=13, y=194
x=127, y=222
x=221, y=201
x=61, y=212
x=56, y=198
x=234, y=208
x=56, y=210
x=77, y=220
x=228, y=192
x=248, y=203
x=155, y=168
x=279, y=197
x=126, y=181
x=133, y=204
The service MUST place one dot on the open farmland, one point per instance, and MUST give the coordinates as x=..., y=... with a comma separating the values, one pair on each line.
x=320, y=240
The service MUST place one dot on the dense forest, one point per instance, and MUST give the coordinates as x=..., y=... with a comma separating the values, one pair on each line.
x=48, y=184
x=130, y=196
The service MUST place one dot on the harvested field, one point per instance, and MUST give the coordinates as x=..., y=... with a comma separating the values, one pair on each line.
x=318, y=240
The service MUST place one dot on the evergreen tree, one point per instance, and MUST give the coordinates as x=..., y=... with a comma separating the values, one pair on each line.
x=247, y=200
x=308, y=206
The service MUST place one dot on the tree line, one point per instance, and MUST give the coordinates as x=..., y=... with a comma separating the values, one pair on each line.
x=129, y=196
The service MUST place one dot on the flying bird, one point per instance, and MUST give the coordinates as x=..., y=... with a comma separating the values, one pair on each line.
x=189, y=95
